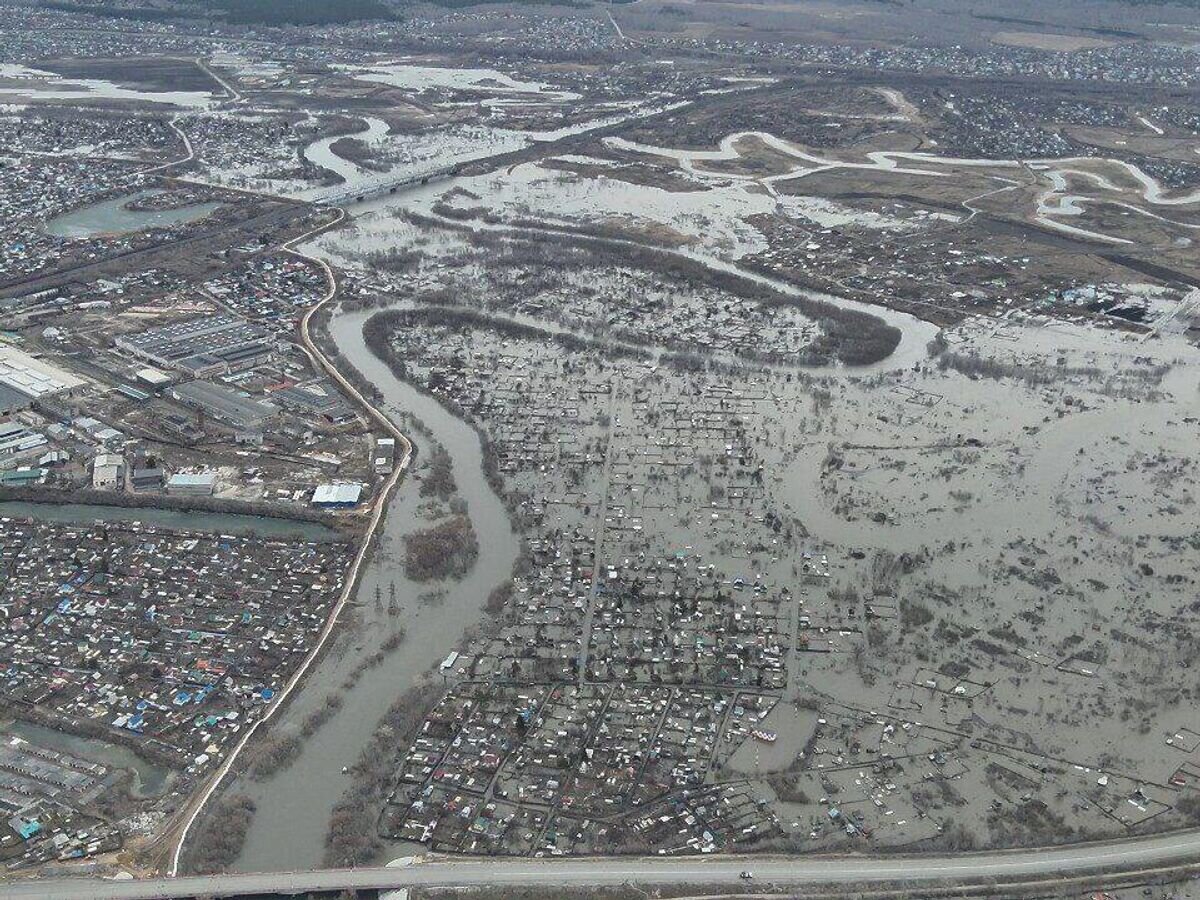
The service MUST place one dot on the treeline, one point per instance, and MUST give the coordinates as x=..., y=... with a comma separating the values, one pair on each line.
x=133, y=13
x=221, y=835
x=294, y=12
x=357, y=151
x=395, y=260
x=447, y=550
x=280, y=751
x=499, y=597
x=439, y=480
x=241, y=12
x=319, y=328
x=377, y=334
x=379, y=328
x=852, y=337
x=353, y=837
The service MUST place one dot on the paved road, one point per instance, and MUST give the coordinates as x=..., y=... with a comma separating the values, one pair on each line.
x=320, y=363
x=916, y=871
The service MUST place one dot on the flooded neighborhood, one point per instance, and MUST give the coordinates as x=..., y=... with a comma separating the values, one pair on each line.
x=438, y=434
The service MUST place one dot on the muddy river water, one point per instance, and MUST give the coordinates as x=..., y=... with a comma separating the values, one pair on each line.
x=294, y=806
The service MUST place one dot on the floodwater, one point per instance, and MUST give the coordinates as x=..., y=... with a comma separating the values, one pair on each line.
x=294, y=806
x=320, y=153
x=931, y=165
x=27, y=84
x=915, y=334
x=149, y=780
x=217, y=523
x=426, y=154
x=421, y=78
x=111, y=217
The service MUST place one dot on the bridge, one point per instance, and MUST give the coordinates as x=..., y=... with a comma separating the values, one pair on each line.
x=370, y=189
x=1128, y=860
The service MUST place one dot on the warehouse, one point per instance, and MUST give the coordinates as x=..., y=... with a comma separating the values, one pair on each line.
x=32, y=376
x=18, y=442
x=153, y=378
x=207, y=345
x=226, y=404
x=337, y=496
x=202, y=484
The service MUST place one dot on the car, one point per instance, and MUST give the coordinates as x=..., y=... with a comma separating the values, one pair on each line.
x=746, y=876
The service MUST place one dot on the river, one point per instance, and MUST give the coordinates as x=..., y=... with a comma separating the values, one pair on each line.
x=320, y=153
x=294, y=806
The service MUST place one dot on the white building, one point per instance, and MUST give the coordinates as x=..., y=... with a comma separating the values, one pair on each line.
x=108, y=472
x=32, y=376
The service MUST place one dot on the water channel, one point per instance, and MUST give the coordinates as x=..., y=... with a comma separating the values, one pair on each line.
x=149, y=780
x=182, y=520
x=294, y=806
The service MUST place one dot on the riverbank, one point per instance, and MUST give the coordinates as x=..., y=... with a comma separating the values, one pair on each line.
x=108, y=500
x=293, y=807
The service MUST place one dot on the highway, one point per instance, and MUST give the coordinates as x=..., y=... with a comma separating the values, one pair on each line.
x=915, y=872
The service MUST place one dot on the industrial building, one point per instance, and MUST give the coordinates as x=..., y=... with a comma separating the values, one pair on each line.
x=22, y=476
x=337, y=496
x=32, y=376
x=201, y=347
x=17, y=442
x=225, y=404
x=200, y=484
x=316, y=398
x=13, y=400
x=96, y=431
x=108, y=472
x=146, y=479
x=153, y=378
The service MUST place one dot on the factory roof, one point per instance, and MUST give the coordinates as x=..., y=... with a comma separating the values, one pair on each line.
x=31, y=375
x=225, y=403
x=337, y=494
x=12, y=398
x=186, y=479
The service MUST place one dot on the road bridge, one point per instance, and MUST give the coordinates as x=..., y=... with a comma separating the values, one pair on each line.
x=343, y=195
x=1102, y=860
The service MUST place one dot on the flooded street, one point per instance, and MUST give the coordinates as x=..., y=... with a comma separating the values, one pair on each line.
x=478, y=448
x=293, y=807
